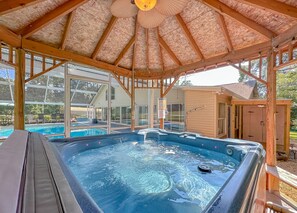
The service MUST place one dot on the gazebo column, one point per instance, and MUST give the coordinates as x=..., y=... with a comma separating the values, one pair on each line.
x=151, y=98
x=19, y=91
x=272, y=182
x=133, y=102
x=161, y=96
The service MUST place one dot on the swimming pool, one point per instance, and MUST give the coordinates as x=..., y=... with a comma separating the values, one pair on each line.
x=157, y=170
x=54, y=129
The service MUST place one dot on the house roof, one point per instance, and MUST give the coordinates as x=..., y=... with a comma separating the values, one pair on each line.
x=241, y=90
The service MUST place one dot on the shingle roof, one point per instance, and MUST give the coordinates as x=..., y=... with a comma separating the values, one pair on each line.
x=242, y=89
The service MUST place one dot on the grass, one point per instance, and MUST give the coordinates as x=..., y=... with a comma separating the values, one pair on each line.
x=293, y=135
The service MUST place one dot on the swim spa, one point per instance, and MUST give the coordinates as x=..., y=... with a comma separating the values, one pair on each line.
x=155, y=170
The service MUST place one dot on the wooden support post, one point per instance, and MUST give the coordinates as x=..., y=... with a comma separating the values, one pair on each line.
x=272, y=182
x=19, y=91
x=161, y=96
x=233, y=111
x=133, y=101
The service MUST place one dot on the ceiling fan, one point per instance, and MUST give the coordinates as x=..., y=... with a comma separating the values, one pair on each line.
x=150, y=13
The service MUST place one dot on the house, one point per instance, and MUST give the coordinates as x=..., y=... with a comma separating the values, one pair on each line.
x=200, y=102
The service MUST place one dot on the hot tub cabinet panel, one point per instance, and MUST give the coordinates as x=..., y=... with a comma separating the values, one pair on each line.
x=244, y=191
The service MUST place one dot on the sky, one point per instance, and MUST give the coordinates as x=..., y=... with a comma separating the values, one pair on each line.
x=224, y=75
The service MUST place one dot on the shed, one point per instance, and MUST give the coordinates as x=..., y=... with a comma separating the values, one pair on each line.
x=248, y=122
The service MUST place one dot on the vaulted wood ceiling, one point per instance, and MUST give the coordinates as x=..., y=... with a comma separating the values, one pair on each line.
x=206, y=33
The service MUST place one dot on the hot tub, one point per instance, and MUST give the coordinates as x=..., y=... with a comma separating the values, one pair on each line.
x=159, y=171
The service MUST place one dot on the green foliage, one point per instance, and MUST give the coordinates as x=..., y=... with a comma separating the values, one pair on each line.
x=47, y=118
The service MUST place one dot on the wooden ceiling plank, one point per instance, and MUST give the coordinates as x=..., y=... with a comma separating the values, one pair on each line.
x=189, y=36
x=104, y=36
x=227, y=11
x=124, y=51
x=67, y=30
x=223, y=26
x=165, y=46
x=8, y=6
x=273, y=6
x=50, y=17
x=47, y=50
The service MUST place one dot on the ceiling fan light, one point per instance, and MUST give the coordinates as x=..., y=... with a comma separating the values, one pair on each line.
x=171, y=7
x=123, y=9
x=145, y=5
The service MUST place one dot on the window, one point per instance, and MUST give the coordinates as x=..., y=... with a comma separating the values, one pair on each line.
x=112, y=97
x=222, y=119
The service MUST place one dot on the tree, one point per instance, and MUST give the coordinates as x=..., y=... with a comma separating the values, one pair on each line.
x=286, y=88
x=183, y=81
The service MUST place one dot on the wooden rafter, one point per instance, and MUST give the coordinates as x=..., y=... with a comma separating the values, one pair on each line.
x=122, y=83
x=9, y=37
x=165, y=46
x=227, y=11
x=104, y=36
x=160, y=49
x=50, y=17
x=249, y=74
x=124, y=51
x=54, y=66
x=235, y=55
x=69, y=56
x=274, y=6
x=8, y=6
x=147, y=49
x=167, y=90
x=189, y=36
x=67, y=29
x=223, y=26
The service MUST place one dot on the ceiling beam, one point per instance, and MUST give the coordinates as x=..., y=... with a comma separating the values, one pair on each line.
x=273, y=6
x=189, y=36
x=232, y=57
x=124, y=51
x=223, y=26
x=8, y=6
x=285, y=37
x=227, y=11
x=67, y=29
x=10, y=37
x=147, y=49
x=160, y=50
x=69, y=56
x=104, y=36
x=165, y=46
x=50, y=17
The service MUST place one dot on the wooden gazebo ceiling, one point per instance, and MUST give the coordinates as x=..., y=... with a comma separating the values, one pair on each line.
x=206, y=33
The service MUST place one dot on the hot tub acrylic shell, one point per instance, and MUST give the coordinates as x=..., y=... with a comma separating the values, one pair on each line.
x=244, y=191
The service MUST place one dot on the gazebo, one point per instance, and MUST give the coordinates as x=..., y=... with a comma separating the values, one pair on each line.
x=142, y=50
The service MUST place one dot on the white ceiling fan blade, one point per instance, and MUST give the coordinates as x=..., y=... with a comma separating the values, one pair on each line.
x=171, y=7
x=150, y=19
x=123, y=9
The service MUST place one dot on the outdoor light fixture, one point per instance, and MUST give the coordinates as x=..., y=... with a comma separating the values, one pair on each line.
x=150, y=13
x=145, y=5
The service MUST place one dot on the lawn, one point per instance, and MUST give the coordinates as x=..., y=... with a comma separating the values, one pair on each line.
x=293, y=135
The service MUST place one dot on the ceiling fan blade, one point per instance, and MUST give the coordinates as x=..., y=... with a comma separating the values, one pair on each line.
x=171, y=7
x=123, y=9
x=150, y=19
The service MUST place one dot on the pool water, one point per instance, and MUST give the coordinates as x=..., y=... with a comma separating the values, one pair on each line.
x=151, y=176
x=54, y=129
